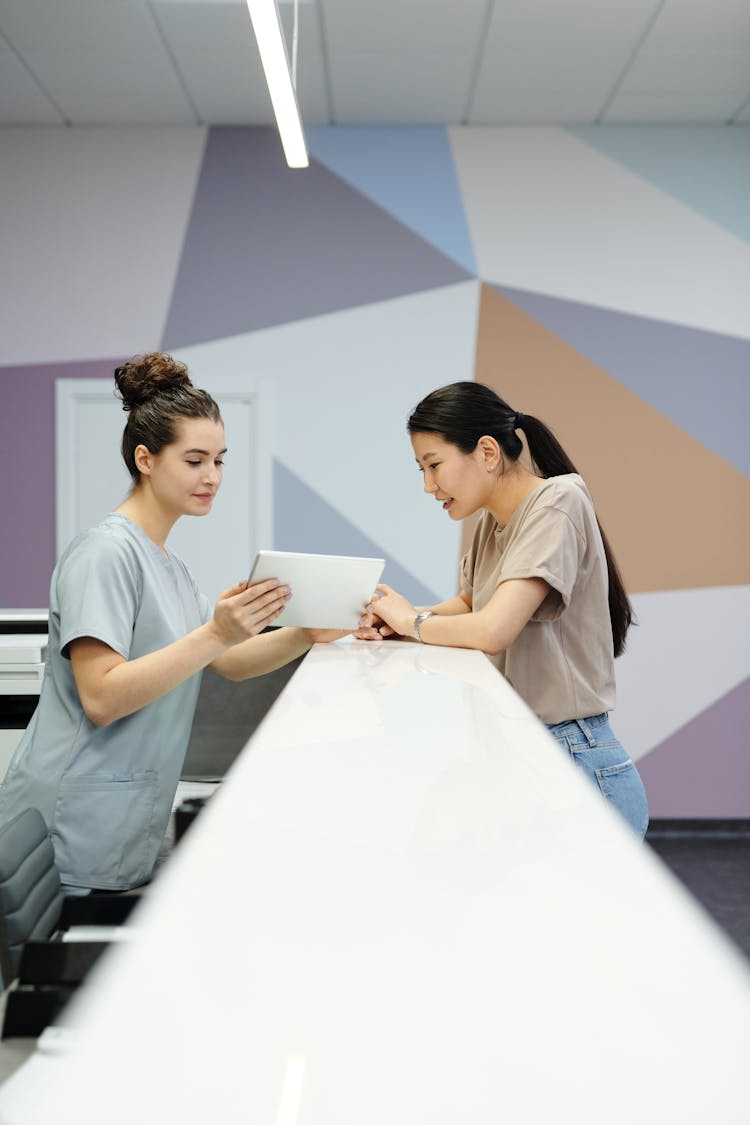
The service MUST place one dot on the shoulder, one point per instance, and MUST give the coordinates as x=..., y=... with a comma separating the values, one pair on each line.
x=109, y=541
x=567, y=494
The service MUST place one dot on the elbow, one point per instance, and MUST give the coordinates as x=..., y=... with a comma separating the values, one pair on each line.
x=96, y=713
x=495, y=643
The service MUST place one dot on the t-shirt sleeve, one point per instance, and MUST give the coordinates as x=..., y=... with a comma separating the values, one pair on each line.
x=548, y=546
x=98, y=592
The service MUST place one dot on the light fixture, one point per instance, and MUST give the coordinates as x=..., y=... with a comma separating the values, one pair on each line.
x=268, y=31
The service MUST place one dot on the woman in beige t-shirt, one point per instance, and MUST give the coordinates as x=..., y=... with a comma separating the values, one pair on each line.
x=540, y=590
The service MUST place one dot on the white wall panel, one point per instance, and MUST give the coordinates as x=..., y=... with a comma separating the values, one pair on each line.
x=690, y=648
x=551, y=215
x=345, y=384
x=91, y=225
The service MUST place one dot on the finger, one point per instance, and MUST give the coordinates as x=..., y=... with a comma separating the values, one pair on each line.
x=386, y=631
x=257, y=588
x=385, y=589
x=367, y=635
x=233, y=590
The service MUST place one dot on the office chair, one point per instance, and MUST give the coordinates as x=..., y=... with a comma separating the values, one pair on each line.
x=41, y=968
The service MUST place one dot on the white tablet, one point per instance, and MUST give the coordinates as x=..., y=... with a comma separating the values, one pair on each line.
x=328, y=591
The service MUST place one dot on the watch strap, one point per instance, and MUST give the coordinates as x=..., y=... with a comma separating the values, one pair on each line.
x=418, y=621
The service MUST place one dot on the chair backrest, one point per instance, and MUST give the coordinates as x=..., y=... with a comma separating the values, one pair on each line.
x=31, y=897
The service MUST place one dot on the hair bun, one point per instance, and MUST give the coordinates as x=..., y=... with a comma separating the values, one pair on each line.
x=147, y=375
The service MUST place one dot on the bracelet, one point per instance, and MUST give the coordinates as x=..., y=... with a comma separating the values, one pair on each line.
x=419, y=619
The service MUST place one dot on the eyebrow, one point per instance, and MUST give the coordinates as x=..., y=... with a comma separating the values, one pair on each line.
x=426, y=457
x=205, y=452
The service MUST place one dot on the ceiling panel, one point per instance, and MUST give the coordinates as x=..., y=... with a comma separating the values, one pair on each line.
x=134, y=107
x=411, y=26
x=428, y=89
x=21, y=100
x=378, y=61
x=676, y=109
x=539, y=107
x=661, y=72
x=706, y=25
x=581, y=26
x=77, y=24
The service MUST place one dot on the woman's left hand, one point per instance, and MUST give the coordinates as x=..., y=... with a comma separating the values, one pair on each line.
x=394, y=609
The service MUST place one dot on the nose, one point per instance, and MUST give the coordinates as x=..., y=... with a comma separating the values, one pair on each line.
x=213, y=474
x=429, y=484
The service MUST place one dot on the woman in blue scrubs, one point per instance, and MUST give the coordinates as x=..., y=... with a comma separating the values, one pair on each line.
x=129, y=636
x=540, y=590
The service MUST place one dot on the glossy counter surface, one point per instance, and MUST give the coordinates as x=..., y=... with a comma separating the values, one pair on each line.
x=405, y=907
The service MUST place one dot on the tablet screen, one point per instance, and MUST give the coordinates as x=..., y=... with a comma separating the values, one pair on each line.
x=328, y=591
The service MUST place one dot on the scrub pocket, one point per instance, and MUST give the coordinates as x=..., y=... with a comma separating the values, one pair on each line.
x=102, y=829
x=593, y=747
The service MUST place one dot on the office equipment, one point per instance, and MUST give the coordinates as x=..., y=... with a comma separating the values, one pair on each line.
x=328, y=591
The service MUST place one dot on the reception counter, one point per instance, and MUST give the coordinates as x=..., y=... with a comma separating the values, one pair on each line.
x=404, y=907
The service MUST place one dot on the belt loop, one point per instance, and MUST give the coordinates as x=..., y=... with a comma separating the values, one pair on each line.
x=586, y=729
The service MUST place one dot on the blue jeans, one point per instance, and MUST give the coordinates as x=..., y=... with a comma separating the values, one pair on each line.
x=592, y=746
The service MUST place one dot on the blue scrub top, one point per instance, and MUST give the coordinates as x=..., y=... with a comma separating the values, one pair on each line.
x=106, y=793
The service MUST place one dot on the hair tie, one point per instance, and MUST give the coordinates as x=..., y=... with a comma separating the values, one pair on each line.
x=518, y=420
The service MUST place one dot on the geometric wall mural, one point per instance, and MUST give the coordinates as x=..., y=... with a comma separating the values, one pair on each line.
x=654, y=484
x=596, y=278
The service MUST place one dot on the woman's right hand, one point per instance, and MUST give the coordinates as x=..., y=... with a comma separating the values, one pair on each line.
x=245, y=610
x=373, y=628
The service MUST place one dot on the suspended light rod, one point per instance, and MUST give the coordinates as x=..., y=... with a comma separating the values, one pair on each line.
x=270, y=36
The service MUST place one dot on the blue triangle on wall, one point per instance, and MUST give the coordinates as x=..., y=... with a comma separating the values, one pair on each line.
x=304, y=521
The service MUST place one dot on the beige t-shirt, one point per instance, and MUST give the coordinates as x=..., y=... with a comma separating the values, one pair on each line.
x=562, y=662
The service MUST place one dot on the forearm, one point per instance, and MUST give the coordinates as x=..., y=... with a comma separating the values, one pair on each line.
x=122, y=687
x=464, y=630
x=452, y=607
x=262, y=654
x=494, y=628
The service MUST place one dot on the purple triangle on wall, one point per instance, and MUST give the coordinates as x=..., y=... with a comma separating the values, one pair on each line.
x=702, y=769
x=266, y=245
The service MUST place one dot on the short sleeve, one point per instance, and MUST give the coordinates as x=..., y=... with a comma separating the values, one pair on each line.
x=98, y=591
x=548, y=546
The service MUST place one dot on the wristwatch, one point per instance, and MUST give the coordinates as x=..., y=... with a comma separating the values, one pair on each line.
x=419, y=619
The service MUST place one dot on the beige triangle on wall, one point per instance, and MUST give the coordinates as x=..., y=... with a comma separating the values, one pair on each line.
x=676, y=514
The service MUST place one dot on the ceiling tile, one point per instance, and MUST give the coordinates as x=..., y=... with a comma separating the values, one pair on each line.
x=538, y=107
x=412, y=26
x=134, y=107
x=21, y=100
x=710, y=72
x=107, y=71
x=669, y=108
x=581, y=27
x=77, y=24
x=700, y=25
x=402, y=89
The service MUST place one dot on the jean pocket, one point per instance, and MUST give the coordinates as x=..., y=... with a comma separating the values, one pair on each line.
x=623, y=788
x=102, y=828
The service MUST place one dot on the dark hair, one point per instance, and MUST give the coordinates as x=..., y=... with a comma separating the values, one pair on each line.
x=156, y=392
x=463, y=412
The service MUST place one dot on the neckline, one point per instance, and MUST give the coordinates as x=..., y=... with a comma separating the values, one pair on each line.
x=164, y=556
x=527, y=499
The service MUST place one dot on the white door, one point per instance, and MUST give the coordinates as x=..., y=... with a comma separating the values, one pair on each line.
x=92, y=479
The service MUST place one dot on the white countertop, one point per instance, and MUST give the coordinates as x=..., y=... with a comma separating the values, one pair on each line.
x=405, y=907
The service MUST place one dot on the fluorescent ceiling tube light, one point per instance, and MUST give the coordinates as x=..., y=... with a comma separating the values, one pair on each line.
x=267, y=27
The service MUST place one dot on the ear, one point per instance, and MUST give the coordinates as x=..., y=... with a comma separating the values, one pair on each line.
x=143, y=460
x=489, y=452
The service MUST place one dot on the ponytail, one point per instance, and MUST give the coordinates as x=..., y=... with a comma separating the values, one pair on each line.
x=464, y=412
